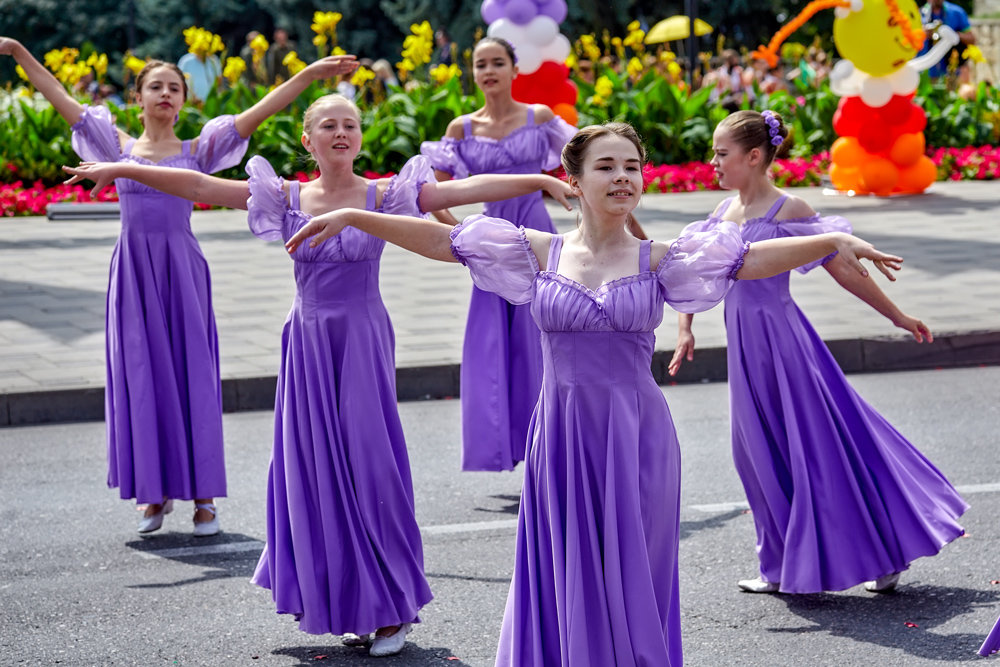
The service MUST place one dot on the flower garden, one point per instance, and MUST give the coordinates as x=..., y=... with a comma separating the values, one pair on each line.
x=628, y=82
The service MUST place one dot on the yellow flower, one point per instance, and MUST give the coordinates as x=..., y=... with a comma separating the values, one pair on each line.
x=667, y=57
x=588, y=45
x=259, y=45
x=133, y=64
x=603, y=87
x=234, y=69
x=201, y=42
x=673, y=69
x=361, y=76
x=442, y=74
x=325, y=23
x=974, y=53
x=99, y=61
x=21, y=73
x=634, y=68
x=70, y=73
x=319, y=40
x=337, y=51
x=293, y=63
x=54, y=59
x=635, y=37
x=419, y=46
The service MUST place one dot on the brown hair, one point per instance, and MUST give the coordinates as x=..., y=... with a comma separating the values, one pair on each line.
x=309, y=117
x=750, y=130
x=156, y=64
x=575, y=151
x=507, y=46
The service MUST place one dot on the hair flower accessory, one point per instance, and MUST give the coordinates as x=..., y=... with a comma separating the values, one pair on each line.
x=773, y=127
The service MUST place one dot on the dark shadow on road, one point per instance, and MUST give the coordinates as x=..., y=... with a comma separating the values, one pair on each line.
x=26, y=302
x=468, y=577
x=511, y=506
x=903, y=620
x=688, y=528
x=411, y=656
x=223, y=555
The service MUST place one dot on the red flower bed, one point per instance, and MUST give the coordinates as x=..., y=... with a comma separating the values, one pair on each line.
x=955, y=164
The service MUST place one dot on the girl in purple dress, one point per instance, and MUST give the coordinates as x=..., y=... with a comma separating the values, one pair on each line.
x=992, y=643
x=502, y=355
x=163, y=399
x=838, y=496
x=343, y=552
x=595, y=572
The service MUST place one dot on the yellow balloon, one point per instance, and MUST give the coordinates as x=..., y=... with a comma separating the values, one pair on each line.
x=871, y=39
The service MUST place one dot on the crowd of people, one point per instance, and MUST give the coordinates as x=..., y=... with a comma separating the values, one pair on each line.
x=555, y=367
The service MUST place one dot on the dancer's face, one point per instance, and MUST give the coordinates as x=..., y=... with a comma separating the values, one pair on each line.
x=492, y=67
x=162, y=94
x=335, y=133
x=734, y=166
x=610, y=182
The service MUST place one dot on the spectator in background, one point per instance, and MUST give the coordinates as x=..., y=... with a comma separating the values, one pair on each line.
x=443, y=53
x=277, y=71
x=938, y=12
x=253, y=74
x=385, y=74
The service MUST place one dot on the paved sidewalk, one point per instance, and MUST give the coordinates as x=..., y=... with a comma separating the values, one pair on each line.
x=53, y=277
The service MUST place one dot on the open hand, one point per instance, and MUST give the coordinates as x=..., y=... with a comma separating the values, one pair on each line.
x=919, y=330
x=319, y=228
x=853, y=249
x=683, y=350
x=332, y=66
x=560, y=191
x=101, y=173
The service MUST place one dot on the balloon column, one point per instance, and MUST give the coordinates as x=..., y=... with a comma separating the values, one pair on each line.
x=532, y=28
x=880, y=149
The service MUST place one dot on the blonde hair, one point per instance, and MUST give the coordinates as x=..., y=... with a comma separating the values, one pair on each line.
x=309, y=117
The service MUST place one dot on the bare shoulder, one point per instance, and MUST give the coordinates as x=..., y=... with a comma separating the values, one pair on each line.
x=657, y=252
x=540, y=242
x=456, y=128
x=543, y=114
x=795, y=207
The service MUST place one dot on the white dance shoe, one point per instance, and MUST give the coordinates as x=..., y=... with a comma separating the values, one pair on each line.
x=206, y=528
x=351, y=639
x=391, y=645
x=154, y=522
x=758, y=585
x=883, y=584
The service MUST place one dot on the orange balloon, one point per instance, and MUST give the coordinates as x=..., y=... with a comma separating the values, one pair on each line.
x=847, y=152
x=879, y=176
x=907, y=149
x=918, y=177
x=845, y=179
x=567, y=112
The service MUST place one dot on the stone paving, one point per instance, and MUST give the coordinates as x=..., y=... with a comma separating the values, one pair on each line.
x=53, y=277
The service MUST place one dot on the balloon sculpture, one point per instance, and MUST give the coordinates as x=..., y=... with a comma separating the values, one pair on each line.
x=880, y=149
x=532, y=28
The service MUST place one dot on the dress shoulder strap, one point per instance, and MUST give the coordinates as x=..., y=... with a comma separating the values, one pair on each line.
x=531, y=115
x=724, y=206
x=127, y=150
x=467, y=125
x=293, y=195
x=186, y=147
x=371, y=195
x=645, y=248
x=555, y=249
x=775, y=208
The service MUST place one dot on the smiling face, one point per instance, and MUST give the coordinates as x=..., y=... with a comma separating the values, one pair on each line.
x=492, y=66
x=610, y=178
x=332, y=130
x=162, y=92
x=873, y=40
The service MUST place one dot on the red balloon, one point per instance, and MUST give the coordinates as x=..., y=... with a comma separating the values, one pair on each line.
x=847, y=118
x=875, y=136
x=897, y=110
x=916, y=122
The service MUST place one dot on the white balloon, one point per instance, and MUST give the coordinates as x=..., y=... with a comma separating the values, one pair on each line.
x=529, y=57
x=876, y=91
x=557, y=50
x=506, y=29
x=541, y=30
x=904, y=80
x=845, y=79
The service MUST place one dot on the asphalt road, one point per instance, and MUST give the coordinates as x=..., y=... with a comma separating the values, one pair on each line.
x=79, y=587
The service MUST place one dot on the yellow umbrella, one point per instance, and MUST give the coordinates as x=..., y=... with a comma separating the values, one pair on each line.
x=674, y=28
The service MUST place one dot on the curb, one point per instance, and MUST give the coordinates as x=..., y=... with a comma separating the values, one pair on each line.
x=858, y=355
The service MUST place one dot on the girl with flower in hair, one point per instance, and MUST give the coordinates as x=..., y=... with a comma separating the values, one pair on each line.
x=163, y=399
x=501, y=357
x=595, y=568
x=343, y=552
x=838, y=496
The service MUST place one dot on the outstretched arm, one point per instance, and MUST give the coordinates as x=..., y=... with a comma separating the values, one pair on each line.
x=424, y=237
x=185, y=183
x=43, y=80
x=436, y=196
x=279, y=98
x=869, y=292
x=774, y=256
x=685, y=343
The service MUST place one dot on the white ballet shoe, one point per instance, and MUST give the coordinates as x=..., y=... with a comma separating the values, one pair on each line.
x=883, y=584
x=351, y=639
x=206, y=528
x=391, y=645
x=758, y=585
x=154, y=522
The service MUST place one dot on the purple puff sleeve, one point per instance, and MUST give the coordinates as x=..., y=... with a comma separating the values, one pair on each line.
x=267, y=204
x=700, y=267
x=498, y=255
x=402, y=197
x=814, y=225
x=220, y=146
x=558, y=132
x=444, y=156
x=95, y=137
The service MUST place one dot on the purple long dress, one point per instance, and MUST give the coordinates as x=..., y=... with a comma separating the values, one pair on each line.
x=838, y=496
x=163, y=401
x=501, y=358
x=595, y=571
x=992, y=643
x=343, y=550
